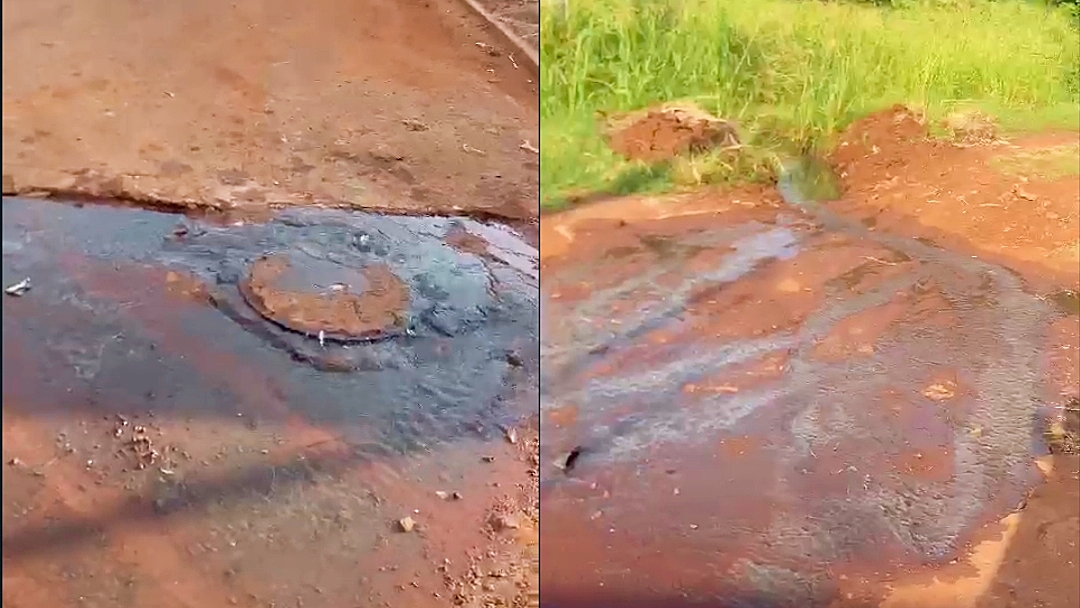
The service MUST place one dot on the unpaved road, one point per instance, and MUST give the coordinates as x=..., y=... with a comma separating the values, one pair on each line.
x=240, y=409
x=768, y=404
x=379, y=105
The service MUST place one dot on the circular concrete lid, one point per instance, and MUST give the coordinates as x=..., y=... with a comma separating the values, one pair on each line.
x=320, y=297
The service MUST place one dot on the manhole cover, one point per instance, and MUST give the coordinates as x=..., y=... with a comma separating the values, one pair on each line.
x=320, y=297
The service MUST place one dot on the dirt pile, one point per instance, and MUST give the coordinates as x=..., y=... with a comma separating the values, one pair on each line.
x=1016, y=202
x=663, y=133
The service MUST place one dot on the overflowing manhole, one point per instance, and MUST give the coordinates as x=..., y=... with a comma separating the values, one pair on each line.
x=395, y=326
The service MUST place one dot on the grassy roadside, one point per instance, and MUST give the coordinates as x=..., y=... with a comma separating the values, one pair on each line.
x=792, y=73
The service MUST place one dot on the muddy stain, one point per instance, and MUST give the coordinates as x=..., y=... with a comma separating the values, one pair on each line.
x=147, y=310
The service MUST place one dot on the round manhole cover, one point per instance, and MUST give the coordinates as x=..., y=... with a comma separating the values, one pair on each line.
x=320, y=297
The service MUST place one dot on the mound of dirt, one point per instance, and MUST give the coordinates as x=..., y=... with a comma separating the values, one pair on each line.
x=659, y=134
x=974, y=191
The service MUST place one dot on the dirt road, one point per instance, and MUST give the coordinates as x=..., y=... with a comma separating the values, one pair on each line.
x=408, y=106
x=309, y=408
x=751, y=401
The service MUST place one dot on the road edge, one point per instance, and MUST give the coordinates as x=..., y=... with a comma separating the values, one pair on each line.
x=508, y=35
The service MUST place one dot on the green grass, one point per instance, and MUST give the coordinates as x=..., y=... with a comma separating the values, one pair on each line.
x=792, y=73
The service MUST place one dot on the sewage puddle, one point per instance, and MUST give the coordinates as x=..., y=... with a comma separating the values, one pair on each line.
x=342, y=319
x=774, y=398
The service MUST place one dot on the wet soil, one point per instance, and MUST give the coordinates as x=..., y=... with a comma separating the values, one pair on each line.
x=749, y=402
x=410, y=106
x=167, y=444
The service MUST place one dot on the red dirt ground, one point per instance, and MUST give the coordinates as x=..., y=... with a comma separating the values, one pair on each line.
x=85, y=525
x=410, y=106
x=900, y=180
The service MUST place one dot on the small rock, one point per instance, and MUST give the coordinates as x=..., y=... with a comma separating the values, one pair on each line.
x=487, y=458
x=456, y=496
x=442, y=495
x=505, y=522
x=406, y=524
x=15, y=462
x=511, y=435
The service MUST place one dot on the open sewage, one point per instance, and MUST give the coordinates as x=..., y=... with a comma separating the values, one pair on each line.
x=800, y=396
x=346, y=319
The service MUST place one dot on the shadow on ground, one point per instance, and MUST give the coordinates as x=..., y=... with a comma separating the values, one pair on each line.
x=261, y=481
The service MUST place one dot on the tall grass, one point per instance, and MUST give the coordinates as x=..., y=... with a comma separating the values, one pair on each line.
x=793, y=73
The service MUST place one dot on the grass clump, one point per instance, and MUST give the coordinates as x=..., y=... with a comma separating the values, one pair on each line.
x=792, y=73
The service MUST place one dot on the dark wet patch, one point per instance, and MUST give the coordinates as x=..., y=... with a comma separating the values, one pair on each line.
x=568, y=461
x=665, y=246
x=107, y=328
x=808, y=179
x=791, y=396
